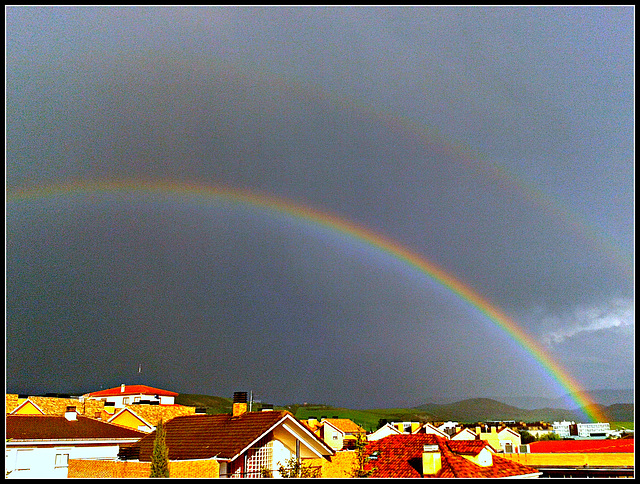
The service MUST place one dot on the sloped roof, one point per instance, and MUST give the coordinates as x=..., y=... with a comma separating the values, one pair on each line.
x=434, y=430
x=131, y=412
x=25, y=404
x=582, y=446
x=508, y=429
x=207, y=436
x=345, y=425
x=464, y=431
x=28, y=427
x=153, y=413
x=401, y=456
x=133, y=390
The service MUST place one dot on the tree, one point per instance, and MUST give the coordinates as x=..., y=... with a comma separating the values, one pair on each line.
x=160, y=456
x=526, y=437
x=361, y=459
x=550, y=436
x=381, y=423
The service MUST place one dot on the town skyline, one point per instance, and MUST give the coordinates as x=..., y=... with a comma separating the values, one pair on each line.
x=367, y=206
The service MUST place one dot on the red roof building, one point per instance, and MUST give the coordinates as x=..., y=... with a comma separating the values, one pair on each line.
x=132, y=390
x=580, y=458
x=243, y=444
x=130, y=394
x=581, y=446
x=426, y=455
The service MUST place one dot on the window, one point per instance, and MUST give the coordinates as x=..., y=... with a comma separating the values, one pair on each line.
x=23, y=459
x=136, y=399
x=335, y=437
x=62, y=460
x=125, y=401
x=259, y=458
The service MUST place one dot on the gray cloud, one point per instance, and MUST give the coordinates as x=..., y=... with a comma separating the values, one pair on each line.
x=496, y=143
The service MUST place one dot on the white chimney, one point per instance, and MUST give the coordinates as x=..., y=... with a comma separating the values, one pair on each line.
x=122, y=388
x=431, y=459
x=70, y=414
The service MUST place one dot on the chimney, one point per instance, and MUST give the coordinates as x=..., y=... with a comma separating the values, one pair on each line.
x=70, y=414
x=431, y=460
x=267, y=407
x=122, y=388
x=239, y=403
x=478, y=430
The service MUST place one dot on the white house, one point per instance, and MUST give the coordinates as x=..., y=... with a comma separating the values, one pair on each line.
x=129, y=394
x=40, y=446
x=384, y=431
x=464, y=434
x=428, y=428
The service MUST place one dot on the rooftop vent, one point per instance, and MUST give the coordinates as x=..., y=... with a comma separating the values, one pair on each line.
x=239, y=397
x=70, y=414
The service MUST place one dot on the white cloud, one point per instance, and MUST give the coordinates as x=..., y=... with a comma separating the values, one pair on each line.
x=618, y=313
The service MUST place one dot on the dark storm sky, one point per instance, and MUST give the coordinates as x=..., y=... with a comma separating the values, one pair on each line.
x=496, y=143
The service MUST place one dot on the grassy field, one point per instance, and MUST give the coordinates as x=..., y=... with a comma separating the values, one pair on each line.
x=367, y=419
x=621, y=425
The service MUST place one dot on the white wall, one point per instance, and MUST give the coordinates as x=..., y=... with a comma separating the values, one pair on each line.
x=119, y=403
x=34, y=462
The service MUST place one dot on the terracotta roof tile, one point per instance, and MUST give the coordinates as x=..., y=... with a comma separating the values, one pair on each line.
x=153, y=413
x=54, y=427
x=133, y=390
x=401, y=456
x=207, y=436
x=345, y=425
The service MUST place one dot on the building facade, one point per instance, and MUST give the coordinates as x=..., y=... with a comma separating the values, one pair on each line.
x=566, y=429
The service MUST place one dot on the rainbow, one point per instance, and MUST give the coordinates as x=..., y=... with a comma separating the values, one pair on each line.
x=336, y=224
x=606, y=245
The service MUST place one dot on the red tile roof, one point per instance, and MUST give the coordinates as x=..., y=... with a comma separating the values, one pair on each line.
x=581, y=446
x=28, y=427
x=401, y=456
x=133, y=390
x=207, y=436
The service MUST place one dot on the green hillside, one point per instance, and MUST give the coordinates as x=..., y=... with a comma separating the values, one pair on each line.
x=212, y=404
x=465, y=411
x=367, y=419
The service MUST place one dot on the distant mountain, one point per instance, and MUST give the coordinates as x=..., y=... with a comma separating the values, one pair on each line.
x=608, y=397
x=620, y=412
x=568, y=401
x=483, y=409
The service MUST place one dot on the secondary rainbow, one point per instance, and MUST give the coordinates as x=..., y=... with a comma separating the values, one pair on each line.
x=340, y=225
